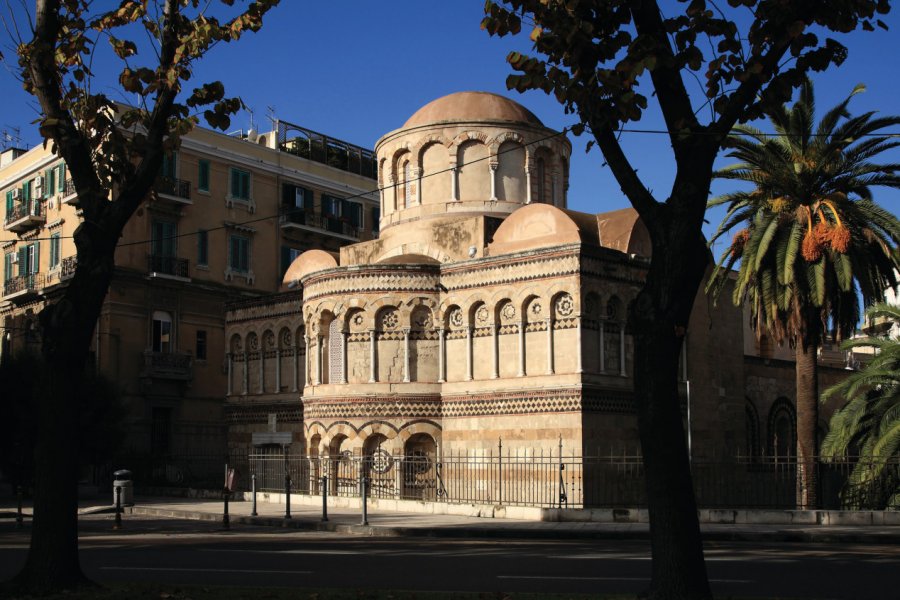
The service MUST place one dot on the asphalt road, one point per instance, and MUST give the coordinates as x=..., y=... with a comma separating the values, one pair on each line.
x=187, y=552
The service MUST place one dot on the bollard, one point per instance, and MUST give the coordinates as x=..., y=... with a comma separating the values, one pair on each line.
x=19, y=508
x=363, y=482
x=253, y=491
x=324, y=497
x=287, y=496
x=226, y=520
x=118, y=522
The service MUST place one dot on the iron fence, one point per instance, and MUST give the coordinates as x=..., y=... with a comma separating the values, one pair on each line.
x=522, y=478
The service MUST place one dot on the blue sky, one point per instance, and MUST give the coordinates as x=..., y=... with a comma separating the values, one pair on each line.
x=356, y=69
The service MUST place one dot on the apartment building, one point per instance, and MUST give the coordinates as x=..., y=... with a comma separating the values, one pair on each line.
x=228, y=215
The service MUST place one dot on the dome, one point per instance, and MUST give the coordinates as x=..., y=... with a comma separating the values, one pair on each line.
x=472, y=106
x=306, y=263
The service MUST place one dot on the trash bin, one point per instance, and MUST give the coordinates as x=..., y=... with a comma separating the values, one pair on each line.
x=122, y=479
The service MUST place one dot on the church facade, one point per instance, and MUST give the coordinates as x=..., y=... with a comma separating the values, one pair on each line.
x=486, y=316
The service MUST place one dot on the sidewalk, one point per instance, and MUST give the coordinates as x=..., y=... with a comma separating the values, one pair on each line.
x=419, y=524
x=408, y=524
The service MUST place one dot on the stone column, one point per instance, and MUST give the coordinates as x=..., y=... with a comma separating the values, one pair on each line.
x=493, y=166
x=343, y=357
x=622, y=349
x=469, y=353
x=307, y=371
x=522, y=325
x=496, y=351
x=442, y=355
x=246, y=373
x=296, y=365
x=454, y=186
x=527, y=184
x=550, y=369
x=406, y=354
x=602, y=335
x=278, y=371
x=262, y=370
x=373, y=370
x=229, y=366
x=578, y=367
x=417, y=178
x=318, y=378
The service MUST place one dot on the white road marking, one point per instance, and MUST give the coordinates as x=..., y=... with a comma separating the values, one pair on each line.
x=551, y=577
x=198, y=570
x=311, y=552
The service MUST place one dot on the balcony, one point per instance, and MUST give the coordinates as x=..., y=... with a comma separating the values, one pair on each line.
x=169, y=267
x=176, y=366
x=23, y=287
x=330, y=151
x=67, y=267
x=70, y=196
x=174, y=190
x=24, y=217
x=298, y=218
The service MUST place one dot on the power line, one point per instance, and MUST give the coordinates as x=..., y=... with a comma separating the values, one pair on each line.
x=277, y=215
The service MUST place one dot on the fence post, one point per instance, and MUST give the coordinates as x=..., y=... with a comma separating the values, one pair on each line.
x=500, y=470
x=287, y=487
x=118, y=522
x=324, y=497
x=562, y=482
x=363, y=492
x=226, y=520
x=19, y=507
x=253, y=512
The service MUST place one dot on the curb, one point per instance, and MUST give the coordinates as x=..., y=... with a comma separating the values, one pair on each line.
x=777, y=535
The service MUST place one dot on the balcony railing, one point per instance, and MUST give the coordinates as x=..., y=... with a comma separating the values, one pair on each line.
x=167, y=265
x=178, y=189
x=298, y=216
x=70, y=196
x=24, y=216
x=168, y=365
x=312, y=145
x=23, y=285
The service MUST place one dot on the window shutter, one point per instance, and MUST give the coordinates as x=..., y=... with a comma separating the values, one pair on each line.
x=36, y=265
x=10, y=203
x=235, y=183
x=61, y=178
x=23, y=258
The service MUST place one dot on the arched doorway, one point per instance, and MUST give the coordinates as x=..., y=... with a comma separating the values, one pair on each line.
x=341, y=470
x=378, y=466
x=420, y=468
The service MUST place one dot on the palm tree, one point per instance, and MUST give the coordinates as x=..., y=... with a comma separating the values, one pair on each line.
x=811, y=239
x=870, y=421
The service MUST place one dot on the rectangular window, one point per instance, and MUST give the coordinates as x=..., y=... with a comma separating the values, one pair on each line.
x=162, y=238
x=162, y=332
x=61, y=177
x=169, y=165
x=8, y=266
x=49, y=182
x=351, y=212
x=54, y=250
x=239, y=253
x=376, y=218
x=203, y=176
x=200, y=349
x=331, y=206
x=10, y=203
x=288, y=255
x=202, y=247
x=240, y=184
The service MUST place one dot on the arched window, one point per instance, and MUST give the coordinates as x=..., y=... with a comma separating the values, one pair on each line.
x=407, y=187
x=335, y=352
x=782, y=429
x=541, y=174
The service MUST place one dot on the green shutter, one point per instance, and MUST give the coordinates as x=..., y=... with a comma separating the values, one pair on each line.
x=10, y=203
x=36, y=266
x=203, y=176
x=23, y=257
x=61, y=178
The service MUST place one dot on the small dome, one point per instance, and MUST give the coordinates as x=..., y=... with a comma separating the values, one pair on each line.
x=472, y=106
x=308, y=262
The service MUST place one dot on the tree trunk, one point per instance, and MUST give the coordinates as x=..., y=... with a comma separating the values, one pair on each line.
x=807, y=426
x=658, y=319
x=67, y=328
